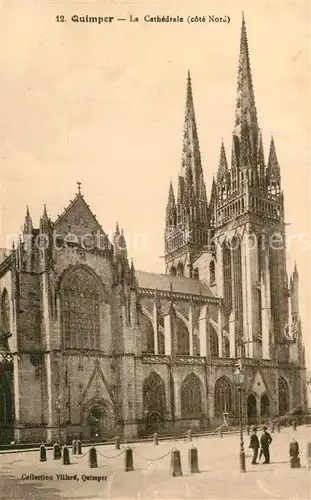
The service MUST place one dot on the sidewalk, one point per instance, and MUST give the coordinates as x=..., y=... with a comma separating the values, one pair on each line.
x=219, y=476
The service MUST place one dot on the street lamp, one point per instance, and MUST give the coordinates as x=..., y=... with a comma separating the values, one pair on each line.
x=239, y=381
x=58, y=408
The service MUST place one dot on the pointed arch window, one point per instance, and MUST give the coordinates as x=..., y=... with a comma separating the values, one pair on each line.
x=154, y=394
x=182, y=338
x=80, y=299
x=161, y=339
x=180, y=269
x=223, y=398
x=196, y=274
x=5, y=312
x=283, y=397
x=191, y=397
x=214, y=343
x=147, y=334
x=173, y=271
x=226, y=347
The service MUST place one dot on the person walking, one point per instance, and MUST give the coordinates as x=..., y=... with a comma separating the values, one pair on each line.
x=254, y=445
x=265, y=442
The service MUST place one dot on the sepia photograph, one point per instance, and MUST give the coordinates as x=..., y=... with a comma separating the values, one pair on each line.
x=155, y=244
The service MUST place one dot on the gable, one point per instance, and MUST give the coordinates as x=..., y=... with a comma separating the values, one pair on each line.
x=96, y=387
x=77, y=219
x=257, y=384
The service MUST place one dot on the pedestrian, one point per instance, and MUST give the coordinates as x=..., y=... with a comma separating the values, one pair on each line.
x=254, y=444
x=265, y=442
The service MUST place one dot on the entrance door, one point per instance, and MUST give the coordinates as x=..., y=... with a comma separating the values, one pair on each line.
x=100, y=422
x=251, y=409
x=264, y=406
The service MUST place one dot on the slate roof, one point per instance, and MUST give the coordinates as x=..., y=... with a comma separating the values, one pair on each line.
x=179, y=284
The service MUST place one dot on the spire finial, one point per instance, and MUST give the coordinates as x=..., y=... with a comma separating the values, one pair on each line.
x=246, y=123
x=27, y=211
x=79, y=187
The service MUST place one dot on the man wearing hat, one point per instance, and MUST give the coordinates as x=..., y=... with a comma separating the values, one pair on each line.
x=254, y=444
x=265, y=442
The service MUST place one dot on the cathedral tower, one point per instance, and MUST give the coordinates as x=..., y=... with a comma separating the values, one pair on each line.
x=249, y=223
x=187, y=217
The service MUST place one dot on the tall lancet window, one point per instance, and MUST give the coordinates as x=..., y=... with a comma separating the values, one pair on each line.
x=237, y=279
x=80, y=298
x=259, y=256
x=259, y=314
x=5, y=312
x=226, y=257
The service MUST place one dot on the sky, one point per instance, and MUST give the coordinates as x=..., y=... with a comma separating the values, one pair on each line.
x=104, y=105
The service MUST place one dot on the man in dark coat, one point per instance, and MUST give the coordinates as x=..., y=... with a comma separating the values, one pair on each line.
x=265, y=442
x=254, y=444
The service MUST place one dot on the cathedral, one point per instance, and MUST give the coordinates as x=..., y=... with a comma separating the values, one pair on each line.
x=92, y=347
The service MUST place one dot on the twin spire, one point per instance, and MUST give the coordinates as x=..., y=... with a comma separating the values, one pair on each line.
x=247, y=153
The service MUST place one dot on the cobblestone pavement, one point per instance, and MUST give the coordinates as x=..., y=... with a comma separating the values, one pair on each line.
x=219, y=476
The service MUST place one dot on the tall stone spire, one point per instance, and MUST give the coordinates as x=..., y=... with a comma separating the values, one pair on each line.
x=223, y=165
x=171, y=208
x=246, y=125
x=273, y=169
x=28, y=227
x=191, y=156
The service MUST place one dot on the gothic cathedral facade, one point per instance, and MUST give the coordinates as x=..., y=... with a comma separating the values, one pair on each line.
x=92, y=347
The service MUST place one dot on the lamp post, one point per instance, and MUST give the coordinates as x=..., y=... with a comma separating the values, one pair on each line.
x=58, y=408
x=239, y=381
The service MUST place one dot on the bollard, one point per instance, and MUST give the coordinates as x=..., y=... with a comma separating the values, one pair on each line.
x=155, y=439
x=278, y=427
x=220, y=432
x=117, y=443
x=309, y=455
x=294, y=425
x=42, y=453
x=193, y=460
x=79, y=447
x=66, y=460
x=128, y=460
x=57, y=455
x=175, y=469
x=92, y=458
x=272, y=427
x=74, y=447
x=294, y=455
x=189, y=435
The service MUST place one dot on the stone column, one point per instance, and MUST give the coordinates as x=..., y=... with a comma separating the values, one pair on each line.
x=177, y=398
x=266, y=301
x=190, y=330
x=220, y=331
x=155, y=327
x=168, y=334
x=48, y=362
x=205, y=343
x=232, y=335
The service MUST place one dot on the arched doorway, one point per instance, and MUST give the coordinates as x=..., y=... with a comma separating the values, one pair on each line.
x=251, y=409
x=154, y=401
x=264, y=406
x=100, y=420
